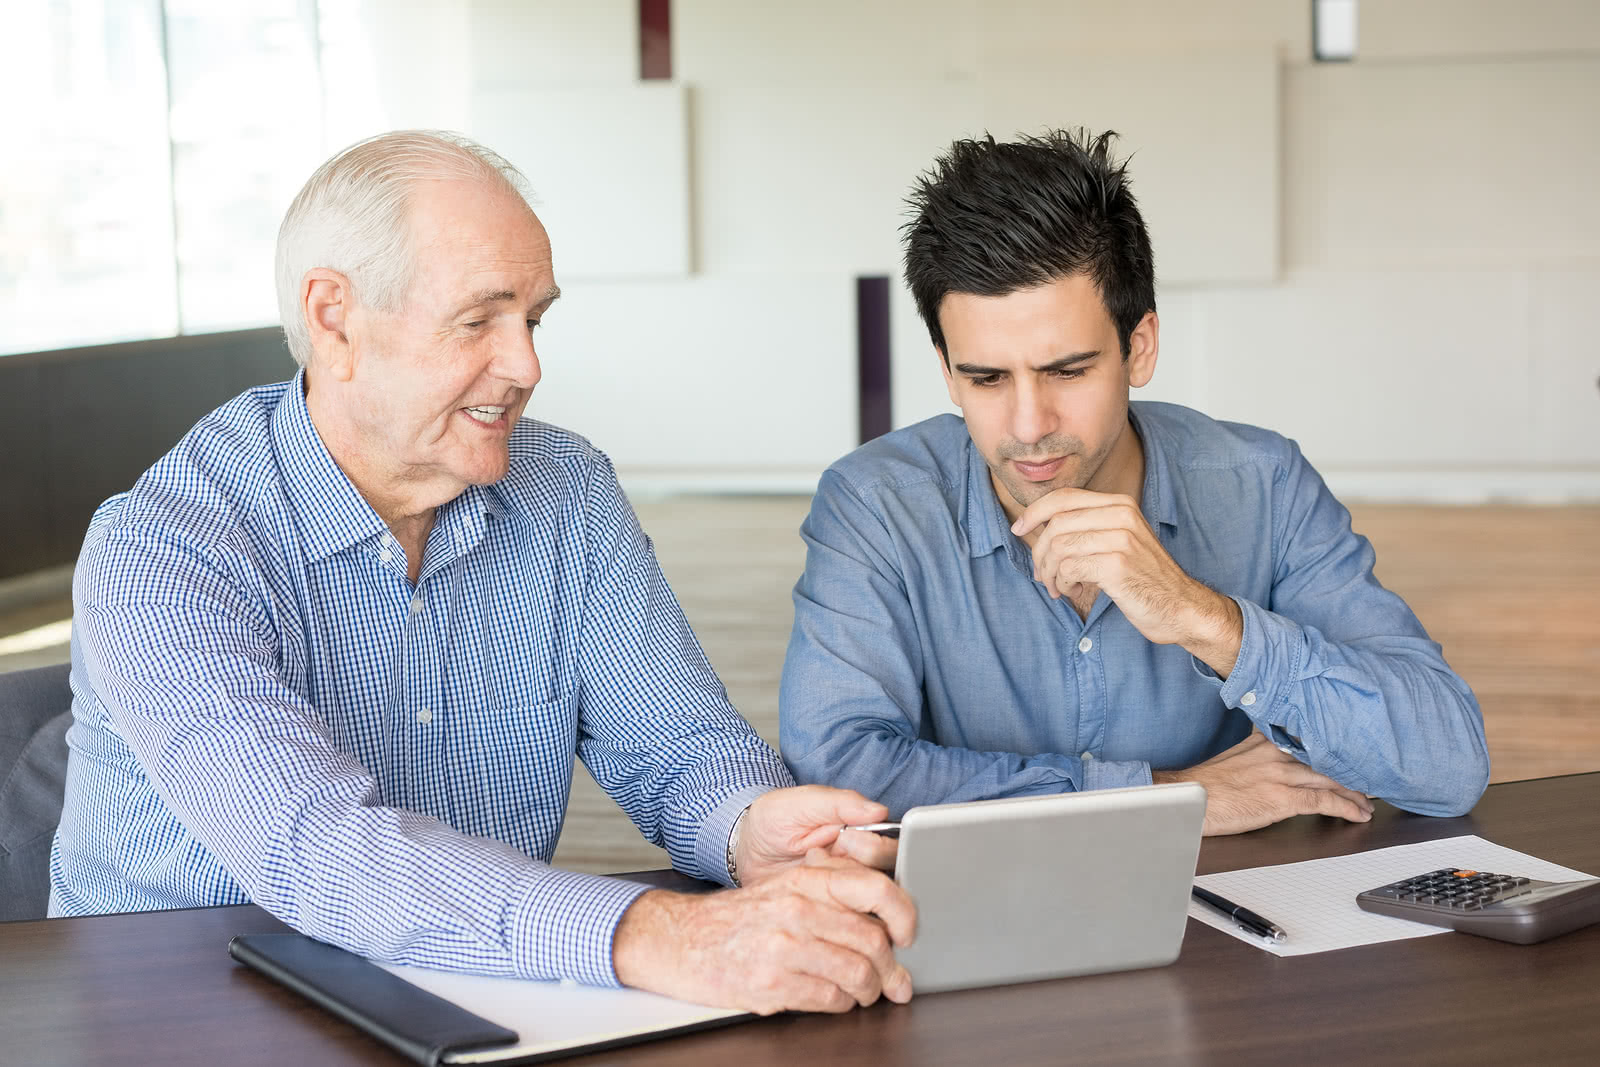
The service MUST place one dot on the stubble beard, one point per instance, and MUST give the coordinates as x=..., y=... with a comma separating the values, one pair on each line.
x=1075, y=475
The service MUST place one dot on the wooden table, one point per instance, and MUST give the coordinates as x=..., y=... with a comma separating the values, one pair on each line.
x=159, y=986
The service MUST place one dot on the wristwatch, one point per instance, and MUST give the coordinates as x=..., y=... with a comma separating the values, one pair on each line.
x=733, y=846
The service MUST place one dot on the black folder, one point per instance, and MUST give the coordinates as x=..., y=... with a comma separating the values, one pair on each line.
x=421, y=1025
x=411, y=1021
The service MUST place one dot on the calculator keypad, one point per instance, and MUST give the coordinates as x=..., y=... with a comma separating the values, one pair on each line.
x=1455, y=888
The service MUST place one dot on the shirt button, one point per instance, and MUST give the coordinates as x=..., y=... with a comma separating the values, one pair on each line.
x=386, y=555
x=1248, y=699
x=424, y=716
x=416, y=608
x=1087, y=755
x=1085, y=645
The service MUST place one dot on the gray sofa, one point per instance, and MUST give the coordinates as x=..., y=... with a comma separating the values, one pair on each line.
x=35, y=711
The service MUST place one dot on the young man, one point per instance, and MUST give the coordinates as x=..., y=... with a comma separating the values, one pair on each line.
x=336, y=651
x=1062, y=590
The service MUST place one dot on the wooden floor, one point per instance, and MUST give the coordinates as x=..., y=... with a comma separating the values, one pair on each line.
x=1511, y=593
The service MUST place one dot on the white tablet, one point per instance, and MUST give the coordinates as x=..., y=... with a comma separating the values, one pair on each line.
x=1045, y=887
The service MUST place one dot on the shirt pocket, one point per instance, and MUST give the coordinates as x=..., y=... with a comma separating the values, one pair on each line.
x=515, y=766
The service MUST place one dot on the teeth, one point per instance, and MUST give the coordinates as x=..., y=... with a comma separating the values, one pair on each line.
x=486, y=414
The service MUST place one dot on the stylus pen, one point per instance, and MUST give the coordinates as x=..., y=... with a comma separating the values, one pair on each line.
x=1247, y=919
x=883, y=829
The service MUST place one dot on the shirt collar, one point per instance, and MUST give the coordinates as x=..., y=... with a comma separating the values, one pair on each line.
x=1157, y=501
x=332, y=512
x=985, y=521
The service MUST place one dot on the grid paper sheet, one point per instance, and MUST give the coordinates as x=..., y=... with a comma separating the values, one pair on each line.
x=1315, y=901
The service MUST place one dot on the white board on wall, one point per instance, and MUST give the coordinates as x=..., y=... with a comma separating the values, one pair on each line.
x=730, y=375
x=525, y=43
x=720, y=43
x=1383, y=369
x=1015, y=30
x=1415, y=29
x=609, y=169
x=815, y=178
x=1476, y=162
x=1202, y=129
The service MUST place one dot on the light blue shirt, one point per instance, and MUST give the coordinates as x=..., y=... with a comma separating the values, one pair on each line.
x=267, y=710
x=927, y=666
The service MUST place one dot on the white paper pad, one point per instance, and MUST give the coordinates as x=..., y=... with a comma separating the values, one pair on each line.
x=1315, y=901
x=551, y=1016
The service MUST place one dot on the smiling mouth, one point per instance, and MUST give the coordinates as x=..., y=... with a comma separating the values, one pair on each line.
x=485, y=414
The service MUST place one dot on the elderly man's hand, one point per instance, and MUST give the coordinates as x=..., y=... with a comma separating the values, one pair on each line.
x=1254, y=784
x=819, y=936
x=785, y=824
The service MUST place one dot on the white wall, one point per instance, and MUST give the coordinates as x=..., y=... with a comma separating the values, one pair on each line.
x=1394, y=260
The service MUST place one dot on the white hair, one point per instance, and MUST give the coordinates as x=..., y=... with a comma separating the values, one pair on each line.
x=351, y=216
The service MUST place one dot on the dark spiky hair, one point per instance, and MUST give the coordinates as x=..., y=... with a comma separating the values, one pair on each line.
x=992, y=218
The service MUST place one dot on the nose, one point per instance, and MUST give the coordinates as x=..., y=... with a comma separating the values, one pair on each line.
x=516, y=361
x=1032, y=417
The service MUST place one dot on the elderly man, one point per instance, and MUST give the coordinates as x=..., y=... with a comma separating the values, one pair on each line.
x=336, y=651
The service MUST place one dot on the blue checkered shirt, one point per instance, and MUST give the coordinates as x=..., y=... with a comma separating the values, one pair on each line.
x=266, y=709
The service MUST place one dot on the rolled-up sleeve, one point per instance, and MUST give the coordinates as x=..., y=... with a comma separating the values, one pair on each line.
x=1339, y=671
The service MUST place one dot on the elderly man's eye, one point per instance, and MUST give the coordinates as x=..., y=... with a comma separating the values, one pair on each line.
x=475, y=325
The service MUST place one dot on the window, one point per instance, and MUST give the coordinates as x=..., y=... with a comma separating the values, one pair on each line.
x=152, y=148
x=246, y=130
x=86, y=236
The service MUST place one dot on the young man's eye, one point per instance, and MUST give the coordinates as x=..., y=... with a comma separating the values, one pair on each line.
x=983, y=380
x=1069, y=373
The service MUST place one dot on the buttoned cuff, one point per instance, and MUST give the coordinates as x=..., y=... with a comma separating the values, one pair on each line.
x=1114, y=774
x=1270, y=657
x=711, y=842
x=566, y=924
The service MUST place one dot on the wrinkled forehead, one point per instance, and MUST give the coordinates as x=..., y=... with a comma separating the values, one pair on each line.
x=473, y=233
x=1066, y=313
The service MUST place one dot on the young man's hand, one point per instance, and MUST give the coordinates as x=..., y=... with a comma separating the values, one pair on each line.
x=1086, y=539
x=1255, y=784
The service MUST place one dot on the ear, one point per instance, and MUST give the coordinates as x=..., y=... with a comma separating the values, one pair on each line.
x=326, y=301
x=1144, y=345
x=949, y=379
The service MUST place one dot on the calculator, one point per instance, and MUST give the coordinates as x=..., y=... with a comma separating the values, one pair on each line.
x=1502, y=906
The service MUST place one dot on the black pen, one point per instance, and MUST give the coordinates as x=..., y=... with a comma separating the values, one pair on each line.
x=1247, y=919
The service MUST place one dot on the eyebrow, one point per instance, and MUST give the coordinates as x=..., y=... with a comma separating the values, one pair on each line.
x=503, y=296
x=1064, y=363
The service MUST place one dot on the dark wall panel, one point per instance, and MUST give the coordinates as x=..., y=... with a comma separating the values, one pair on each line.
x=81, y=424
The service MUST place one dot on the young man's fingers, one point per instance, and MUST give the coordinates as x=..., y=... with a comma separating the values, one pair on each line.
x=1328, y=802
x=1053, y=503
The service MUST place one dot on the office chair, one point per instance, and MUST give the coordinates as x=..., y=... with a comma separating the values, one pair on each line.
x=35, y=711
